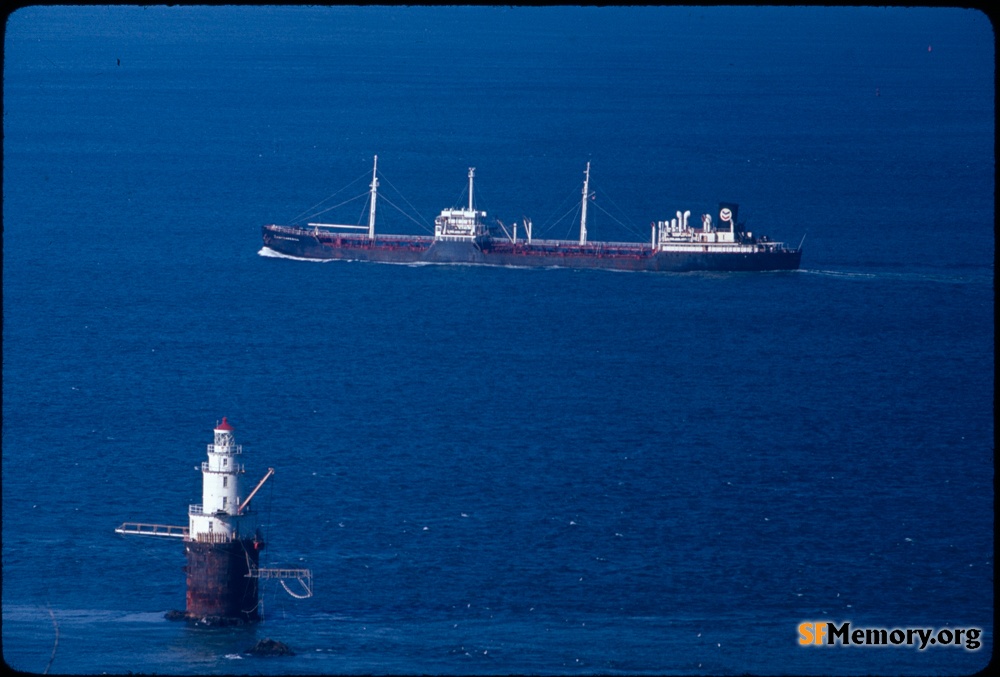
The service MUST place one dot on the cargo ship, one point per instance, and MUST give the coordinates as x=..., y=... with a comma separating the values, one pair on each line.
x=461, y=235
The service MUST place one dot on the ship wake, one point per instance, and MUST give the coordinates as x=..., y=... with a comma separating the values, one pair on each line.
x=267, y=252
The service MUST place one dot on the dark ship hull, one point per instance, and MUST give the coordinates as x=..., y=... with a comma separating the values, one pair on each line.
x=306, y=243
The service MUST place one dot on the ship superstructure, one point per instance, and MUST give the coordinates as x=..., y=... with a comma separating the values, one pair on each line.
x=461, y=225
x=462, y=236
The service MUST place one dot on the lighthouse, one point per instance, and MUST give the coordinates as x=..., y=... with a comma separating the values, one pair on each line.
x=222, y=551
x=221, y=541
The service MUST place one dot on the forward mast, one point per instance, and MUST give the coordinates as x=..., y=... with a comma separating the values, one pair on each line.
x=373, y=192
x=583, y=205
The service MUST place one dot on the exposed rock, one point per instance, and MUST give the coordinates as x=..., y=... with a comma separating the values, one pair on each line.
x=218, y=621
x=210, y=621
x=269, y=647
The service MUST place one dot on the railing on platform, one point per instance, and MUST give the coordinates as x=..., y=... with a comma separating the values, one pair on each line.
x=233, y=449
x=199, y=509
x=234, y=469
x=213, y=537
x=304, y=577
x=140, y=529
x=281, y=573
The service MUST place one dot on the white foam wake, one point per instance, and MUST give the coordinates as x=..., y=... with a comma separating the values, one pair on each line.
x=271, y=254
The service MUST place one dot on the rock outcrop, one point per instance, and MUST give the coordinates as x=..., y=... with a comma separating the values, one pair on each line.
x=269, y=647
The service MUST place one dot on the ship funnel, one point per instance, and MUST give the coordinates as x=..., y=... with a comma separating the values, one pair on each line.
x=733, y=211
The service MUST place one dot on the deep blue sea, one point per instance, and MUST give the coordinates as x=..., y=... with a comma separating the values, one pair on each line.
x=500, y=470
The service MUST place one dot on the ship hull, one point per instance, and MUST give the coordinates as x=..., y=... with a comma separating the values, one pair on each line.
x=645, y=259
x=306, y=244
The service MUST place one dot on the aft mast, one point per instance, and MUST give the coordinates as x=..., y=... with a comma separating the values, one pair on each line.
x=583, y=206
x=371, y=212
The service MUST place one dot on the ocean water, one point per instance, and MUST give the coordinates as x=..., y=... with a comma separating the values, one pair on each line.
x=499, y=470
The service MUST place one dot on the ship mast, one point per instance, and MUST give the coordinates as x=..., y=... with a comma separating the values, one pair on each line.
x=371, y=212
x=472, y=172
x=583, y=206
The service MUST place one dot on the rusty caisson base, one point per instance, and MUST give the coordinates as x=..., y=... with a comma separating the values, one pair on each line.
x=219, y=592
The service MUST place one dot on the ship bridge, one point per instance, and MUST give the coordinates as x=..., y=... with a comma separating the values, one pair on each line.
x=461, y=225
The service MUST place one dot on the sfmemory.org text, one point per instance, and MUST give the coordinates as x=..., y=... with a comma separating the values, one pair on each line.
x=828, y=633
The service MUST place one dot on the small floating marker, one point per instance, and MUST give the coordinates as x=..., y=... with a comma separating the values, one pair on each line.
x=929, y=48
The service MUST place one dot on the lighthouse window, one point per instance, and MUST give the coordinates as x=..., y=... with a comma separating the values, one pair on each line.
x=223, y=501
x=225, y=462
x=225, y=481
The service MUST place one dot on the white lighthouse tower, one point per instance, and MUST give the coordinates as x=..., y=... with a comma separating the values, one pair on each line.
x=218, y=518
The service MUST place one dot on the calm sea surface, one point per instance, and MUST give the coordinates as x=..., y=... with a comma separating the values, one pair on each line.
x=497, y=470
